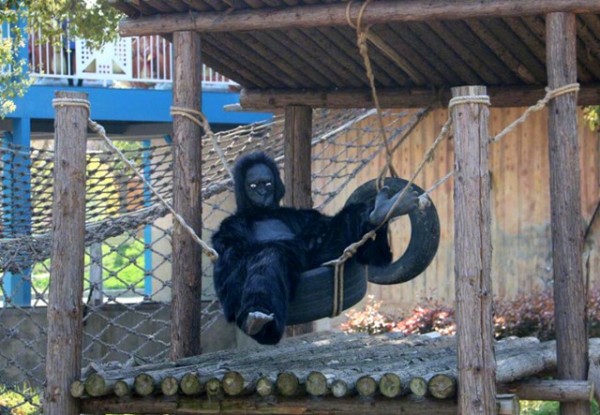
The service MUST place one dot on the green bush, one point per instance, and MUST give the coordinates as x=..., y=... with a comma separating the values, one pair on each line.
x=548, y=408
x=20, y=401
x=122, y=262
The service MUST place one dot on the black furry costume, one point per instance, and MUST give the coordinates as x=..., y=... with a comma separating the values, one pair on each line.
x=255, y=273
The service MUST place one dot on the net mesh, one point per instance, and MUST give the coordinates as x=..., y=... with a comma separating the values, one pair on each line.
x=128, y=236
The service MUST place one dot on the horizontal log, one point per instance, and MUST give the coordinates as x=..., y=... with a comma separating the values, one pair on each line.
x=341, y=388
x=379, y=12
x=265, y=386
x=214, y=388
x=500, y=97
x=292, y=406
x=191, y=384
x=77, y=389
x=123, y=387
x=169, y=386
x=367, y=385
x=96, y=385
x=291, y=384
x=556, y=390
x=392, y=386
x=318, y=383
x=442, y=386
x=145, y=384
x=236, y=383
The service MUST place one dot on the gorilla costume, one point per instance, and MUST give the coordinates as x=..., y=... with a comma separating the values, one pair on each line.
x=263, y=248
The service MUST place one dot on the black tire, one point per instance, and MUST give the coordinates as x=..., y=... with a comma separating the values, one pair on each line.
x=315, y=294
x=424, y=236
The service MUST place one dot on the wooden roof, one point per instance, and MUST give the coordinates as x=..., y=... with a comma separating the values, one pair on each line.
x=418, y=49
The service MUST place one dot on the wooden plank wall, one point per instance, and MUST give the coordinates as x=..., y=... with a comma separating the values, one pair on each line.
x=520, y=203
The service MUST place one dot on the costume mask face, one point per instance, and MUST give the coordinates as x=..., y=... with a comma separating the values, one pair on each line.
x=259, y=186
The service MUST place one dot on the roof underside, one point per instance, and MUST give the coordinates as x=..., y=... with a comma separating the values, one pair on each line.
x=433, y=54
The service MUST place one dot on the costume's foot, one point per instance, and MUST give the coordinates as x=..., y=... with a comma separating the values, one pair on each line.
x=255, y=321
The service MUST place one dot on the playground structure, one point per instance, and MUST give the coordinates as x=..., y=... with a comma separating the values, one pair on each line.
x=476, y=359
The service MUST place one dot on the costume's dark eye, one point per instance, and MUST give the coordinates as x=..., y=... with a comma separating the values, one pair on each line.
x=268, y=184
x=253, y=185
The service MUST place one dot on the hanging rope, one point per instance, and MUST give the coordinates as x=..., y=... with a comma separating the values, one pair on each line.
x=550, y=94
x=99, y=129
x=362, y=35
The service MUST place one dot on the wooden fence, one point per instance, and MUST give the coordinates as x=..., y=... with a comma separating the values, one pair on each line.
x=522, y=258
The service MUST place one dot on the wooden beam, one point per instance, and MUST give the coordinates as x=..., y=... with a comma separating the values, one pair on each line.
x=65, y=306
x=398, y=98
x=297, y=172
x=383, y=11
x=291, y=406
x=297, y=150
x=473, y=253
x=186, y=274
x=565, y=208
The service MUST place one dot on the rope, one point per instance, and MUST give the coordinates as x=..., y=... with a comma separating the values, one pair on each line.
x=362, y=35
x=210, y=252
x=469, y=99
x=550, y=94
x=71, y=102
x=200, y=119
x=99, y=129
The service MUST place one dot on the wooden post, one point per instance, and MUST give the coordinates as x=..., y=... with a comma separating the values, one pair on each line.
x=297, y=171
x=186, y=275
x=65, y=308
x=565, y=208
x=473, y=251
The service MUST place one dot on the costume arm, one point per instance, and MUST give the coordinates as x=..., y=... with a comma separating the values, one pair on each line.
x=346, y=227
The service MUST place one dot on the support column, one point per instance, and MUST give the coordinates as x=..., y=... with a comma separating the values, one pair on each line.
x=186, y=277
x=473, y=254
x=17, y=219
x=565, y=208
x=297, y=171
x=65, y=306
x=147, y=164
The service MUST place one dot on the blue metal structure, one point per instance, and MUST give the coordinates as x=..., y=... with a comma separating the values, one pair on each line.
x=133, y=105
x=17, y=198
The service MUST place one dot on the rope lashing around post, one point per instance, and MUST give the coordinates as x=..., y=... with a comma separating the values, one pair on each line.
x=99, y=129
x=550, y=94
x=200, y=119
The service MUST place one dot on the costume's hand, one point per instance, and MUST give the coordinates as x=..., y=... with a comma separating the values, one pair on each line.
x=384, y=202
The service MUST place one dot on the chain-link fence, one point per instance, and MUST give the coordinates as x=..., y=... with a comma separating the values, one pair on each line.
x=128, y=238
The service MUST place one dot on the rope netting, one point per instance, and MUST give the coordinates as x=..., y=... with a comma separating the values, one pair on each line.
x=128, y=233
x=128, y=229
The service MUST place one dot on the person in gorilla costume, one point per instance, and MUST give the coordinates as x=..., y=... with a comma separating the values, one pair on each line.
x=263, y=248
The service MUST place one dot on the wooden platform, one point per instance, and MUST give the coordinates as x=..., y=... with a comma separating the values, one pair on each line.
x=331, y=372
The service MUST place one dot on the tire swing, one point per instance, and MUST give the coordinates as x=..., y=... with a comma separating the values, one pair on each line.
x=316, y=291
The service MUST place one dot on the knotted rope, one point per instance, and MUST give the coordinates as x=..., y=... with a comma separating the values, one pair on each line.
x=200, y=119
x=550, y=94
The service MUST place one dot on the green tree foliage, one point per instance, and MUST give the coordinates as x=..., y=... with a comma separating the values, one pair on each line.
x=13, y=81
x=592, y=116
x=93, y=20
